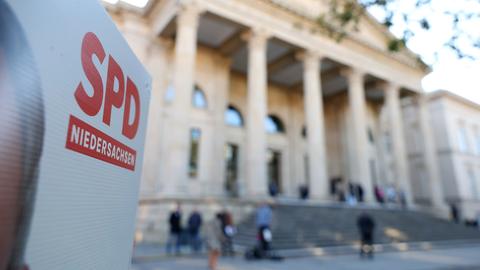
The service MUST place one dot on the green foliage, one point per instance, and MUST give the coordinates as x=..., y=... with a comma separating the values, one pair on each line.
x=343, y=17
x=395, y=45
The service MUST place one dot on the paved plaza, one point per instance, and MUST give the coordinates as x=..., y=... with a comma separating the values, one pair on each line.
x=460, y=258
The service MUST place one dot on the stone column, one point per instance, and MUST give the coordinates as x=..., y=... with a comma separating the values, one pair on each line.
x=313, y=104
x=357, y=102
x=392, y=100
x=175, y=166
x=222, y=84
x=430, y=155
x=256, y=144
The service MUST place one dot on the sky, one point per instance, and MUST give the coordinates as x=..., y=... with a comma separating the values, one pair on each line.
x=460, y=76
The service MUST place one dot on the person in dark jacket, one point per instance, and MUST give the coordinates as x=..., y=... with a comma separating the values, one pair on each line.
x=194, y=225
x=366, y=227
x=175, y=222
x=303, y=190
x=454, y=213
x=360, y=193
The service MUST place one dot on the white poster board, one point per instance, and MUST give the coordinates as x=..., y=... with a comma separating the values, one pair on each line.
x=94, y=96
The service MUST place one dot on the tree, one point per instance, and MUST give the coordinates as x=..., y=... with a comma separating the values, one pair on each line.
x=343, y=16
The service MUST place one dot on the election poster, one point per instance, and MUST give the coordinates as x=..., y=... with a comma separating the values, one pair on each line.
x=73, y=113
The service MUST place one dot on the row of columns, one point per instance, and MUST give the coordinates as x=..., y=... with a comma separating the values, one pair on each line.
x=256, y=142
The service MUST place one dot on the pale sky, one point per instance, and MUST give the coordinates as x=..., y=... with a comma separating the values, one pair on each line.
x=449, y=73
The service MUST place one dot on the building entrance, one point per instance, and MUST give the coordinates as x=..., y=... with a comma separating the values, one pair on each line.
x=274, y=172
x=231, y=170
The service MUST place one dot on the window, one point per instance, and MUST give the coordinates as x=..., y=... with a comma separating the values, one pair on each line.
x=473, y=182
x=462, y=138
x=170, y=94
x=199, y=100
x=477, y=140
x=195, y=135
x=274, y=125
x=370, y=136
x=233, y=117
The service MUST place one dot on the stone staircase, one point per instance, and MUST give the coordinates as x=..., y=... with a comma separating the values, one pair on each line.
x=307, y=226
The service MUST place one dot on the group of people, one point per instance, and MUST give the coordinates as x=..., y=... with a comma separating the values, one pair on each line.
x=178, y=234
x=390, y=194
x=218, y=234
x=353, y=193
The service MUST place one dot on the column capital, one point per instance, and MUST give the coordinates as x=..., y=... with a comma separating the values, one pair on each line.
x=189, y=13
x=256, y=37
x=389, y=88
x=352, y=72
x=309, y=55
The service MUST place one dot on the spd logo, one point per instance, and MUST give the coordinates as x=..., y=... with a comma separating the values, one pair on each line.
x=118, y=91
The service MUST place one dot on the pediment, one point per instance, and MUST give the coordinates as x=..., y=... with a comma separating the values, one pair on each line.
x=370, y=31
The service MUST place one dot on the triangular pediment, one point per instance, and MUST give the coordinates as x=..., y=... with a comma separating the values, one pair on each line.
x=370, y=31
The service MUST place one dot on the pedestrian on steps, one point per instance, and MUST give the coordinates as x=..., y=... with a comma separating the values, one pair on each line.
x=264, y=222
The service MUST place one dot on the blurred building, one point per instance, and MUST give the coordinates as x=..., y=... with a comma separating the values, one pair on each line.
x=252, y=95
x=455, y=123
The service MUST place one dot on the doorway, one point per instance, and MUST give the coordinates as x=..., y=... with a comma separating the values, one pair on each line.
x=231, y=170
x=274, y=159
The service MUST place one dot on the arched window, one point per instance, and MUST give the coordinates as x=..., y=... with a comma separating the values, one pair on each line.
x=233, y=117
x=273, y=124
x=199, y=100
x=170, y=94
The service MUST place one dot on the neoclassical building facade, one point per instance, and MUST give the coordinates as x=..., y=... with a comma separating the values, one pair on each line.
x=252, y=93
x=455, y=121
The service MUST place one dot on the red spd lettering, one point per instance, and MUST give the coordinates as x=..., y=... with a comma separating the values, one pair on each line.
x=118, y=95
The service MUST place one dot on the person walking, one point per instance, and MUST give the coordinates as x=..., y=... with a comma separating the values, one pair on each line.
x=194, y=225
x=229, y=232
x=174, y=222
x=454, y=213
x=215, y=237
x=366, y=227
x=263, y=223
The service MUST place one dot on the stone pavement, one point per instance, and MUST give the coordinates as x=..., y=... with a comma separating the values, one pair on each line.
x=459, y=258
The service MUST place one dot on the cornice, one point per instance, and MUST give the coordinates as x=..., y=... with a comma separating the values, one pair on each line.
x=412, y=61
x=447, y=94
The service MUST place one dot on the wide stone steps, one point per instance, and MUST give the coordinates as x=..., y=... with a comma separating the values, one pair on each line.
x=296, y=226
